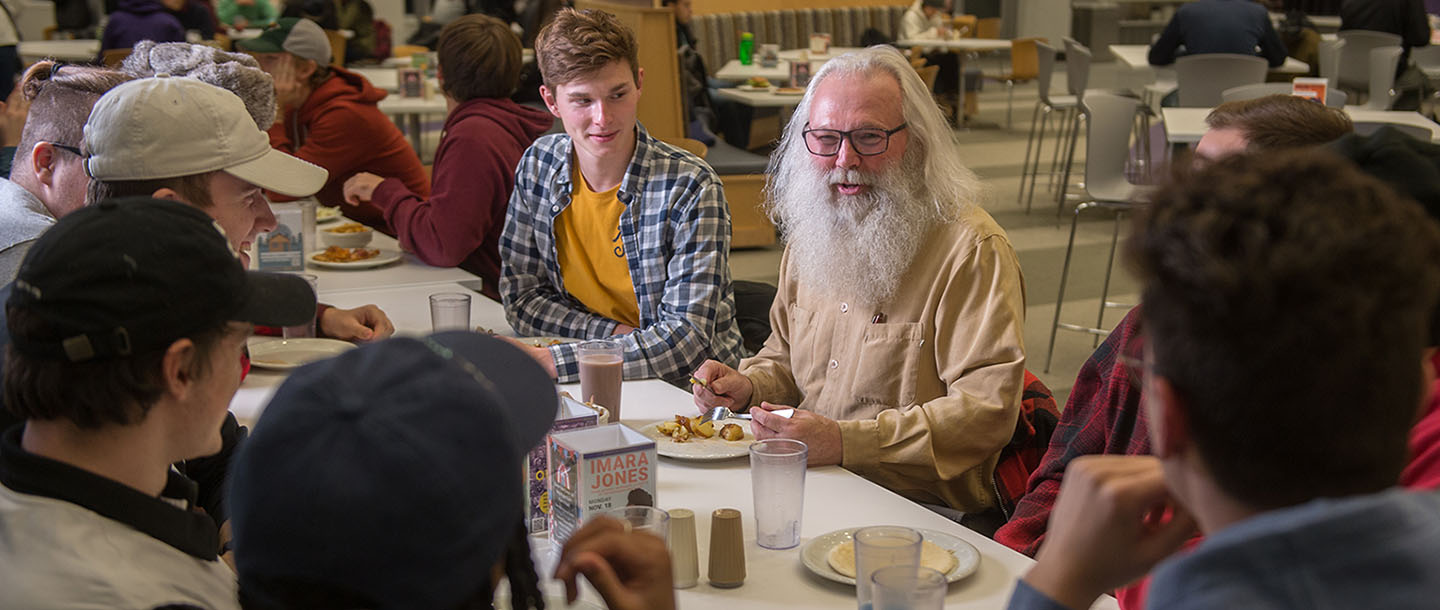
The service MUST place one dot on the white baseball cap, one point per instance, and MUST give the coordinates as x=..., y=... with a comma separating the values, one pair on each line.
x=165, y=127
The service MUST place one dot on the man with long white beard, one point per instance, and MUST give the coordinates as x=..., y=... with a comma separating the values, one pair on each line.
x=897, y=327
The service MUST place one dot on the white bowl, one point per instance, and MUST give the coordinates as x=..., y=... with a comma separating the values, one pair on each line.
x=357, y=239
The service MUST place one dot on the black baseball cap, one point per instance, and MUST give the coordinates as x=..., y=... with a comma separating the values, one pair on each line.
x=131, y=275
x=393, y=471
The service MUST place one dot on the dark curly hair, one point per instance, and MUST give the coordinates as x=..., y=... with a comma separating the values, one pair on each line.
x=1287, y=300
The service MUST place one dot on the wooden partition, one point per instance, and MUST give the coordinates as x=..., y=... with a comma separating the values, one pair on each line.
x=661, y=97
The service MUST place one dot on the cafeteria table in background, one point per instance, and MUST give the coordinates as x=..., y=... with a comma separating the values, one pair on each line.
x=1187, y=125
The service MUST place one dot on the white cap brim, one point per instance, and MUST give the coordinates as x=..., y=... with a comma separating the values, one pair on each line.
x=279, y=172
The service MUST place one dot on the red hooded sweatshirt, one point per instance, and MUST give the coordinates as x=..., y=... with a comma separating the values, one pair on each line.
x=461, y=222
x=340, y=128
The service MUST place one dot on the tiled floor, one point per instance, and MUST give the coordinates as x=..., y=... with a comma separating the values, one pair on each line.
x=1039, y=237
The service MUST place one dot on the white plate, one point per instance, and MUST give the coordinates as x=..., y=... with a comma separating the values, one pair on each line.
x=704, y=449
x=385, y=257
x=790, y=91
x=546, y=341
x=753, y=88
x=815, y=554
x=286, y=354
x=325, y=214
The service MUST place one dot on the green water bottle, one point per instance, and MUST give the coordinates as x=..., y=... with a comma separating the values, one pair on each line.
x=747, y=48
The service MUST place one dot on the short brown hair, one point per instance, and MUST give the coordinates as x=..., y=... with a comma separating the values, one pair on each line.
x=579, y=43
x=95, y=393
x=479, y=57
x=195, y=190
x=1276, y=122
x=61, y=97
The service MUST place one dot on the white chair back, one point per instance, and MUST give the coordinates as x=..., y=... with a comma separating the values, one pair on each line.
x=1355, y=55
x=1383, y=61
x=1203, y=78
x=1334, y=98
x=1110, y=119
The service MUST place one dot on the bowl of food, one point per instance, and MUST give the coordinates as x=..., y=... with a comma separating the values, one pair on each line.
x=347, y=235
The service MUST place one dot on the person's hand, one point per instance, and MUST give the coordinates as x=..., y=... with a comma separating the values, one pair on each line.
x=821, y=434
x=289, y=91
x=622, y=329
x=1108, y=528
x=540, y=354
x=225, y=536
x=360, y=187
x=365, y=323
x=720, y=386
x=631, y=570
x=12, y=117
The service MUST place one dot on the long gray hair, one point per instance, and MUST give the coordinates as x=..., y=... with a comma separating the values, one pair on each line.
x=947, y=180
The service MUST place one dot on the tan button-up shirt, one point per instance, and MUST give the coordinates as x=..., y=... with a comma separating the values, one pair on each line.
x=926, y=388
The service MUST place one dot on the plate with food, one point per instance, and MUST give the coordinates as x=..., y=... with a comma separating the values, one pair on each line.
x=685, y=438
x=336, y=257
x=325, y=214
x=756, y=83
x=546, y=341
x=832, y=556
x=790, y=91
x=286, y=354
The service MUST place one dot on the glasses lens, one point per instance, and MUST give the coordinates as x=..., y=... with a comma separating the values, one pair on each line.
x=823, y=141
x=869, y=141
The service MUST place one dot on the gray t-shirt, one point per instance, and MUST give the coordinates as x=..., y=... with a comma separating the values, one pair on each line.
x=23, y=218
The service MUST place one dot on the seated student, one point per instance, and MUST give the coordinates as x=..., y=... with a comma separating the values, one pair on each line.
x=610, y=231
x=241, y=14
x=194, y=16
x=1103, y=413
x=329, y=116
x=342, y=433
x=484, y=136
x=127, y=324
x=47, y=180
x=1218, y=26
x=1282, y=372
x=358, y=17
x=137, y=20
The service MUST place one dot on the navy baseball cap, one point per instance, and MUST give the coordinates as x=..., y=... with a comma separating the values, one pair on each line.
x=393, y=471
x=130, y=275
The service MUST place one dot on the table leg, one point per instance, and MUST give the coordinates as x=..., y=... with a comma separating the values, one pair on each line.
x=415, y=135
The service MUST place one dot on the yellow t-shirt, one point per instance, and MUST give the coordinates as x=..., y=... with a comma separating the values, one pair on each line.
x=592, y=255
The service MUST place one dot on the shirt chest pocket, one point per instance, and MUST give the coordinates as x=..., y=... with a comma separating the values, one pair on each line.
x=805, y=363
x=887, y=364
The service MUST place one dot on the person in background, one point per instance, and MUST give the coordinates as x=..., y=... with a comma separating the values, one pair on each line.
x=358, y=17
x=897, y=331
x=930, y=20
x=612, y=233
x=48, y=180
x=10, y=65
x=126, y=327
x=484, y=136
x=329, y=116
x=241, y=14
x=322, y=12
x=1255, y=270
x=194, y=16
x=1404, y=18
x=1218, y=26
x=137, y=20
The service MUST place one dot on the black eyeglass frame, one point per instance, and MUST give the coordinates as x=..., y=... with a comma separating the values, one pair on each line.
x=67, y=148
x=847, y=136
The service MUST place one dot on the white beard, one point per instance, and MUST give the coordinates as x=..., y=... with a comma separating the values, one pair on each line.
x=853, y=247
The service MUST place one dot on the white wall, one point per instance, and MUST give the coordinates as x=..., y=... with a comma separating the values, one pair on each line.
x=1046, y=18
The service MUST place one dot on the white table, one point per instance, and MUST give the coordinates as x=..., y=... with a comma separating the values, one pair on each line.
x=1187, y=125
x=408, y=110
x=83, y=50
x=760, y=99
x=958, y=46
x=409, y=271
x=835, y=498
x=778, y=74
x=1157, y=81
x=389, y=79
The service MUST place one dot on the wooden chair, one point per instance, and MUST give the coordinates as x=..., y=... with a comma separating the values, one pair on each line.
x=965, y=25
x=406, y=50
x=988, y=27
x=928, y=74
x=1024, y=67
x=337, y=47
x=692, y=146
x=112, y=58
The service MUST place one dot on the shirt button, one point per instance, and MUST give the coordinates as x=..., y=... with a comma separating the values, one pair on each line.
x=834, y=364
x=554, y=208
x=844, y=308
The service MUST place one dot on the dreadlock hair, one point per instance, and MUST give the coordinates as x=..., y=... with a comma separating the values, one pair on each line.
x=520, y=571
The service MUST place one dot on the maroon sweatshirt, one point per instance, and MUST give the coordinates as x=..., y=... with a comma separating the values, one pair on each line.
x=470, y=188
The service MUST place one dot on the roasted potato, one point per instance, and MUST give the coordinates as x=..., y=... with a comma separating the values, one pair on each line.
x=732, y=432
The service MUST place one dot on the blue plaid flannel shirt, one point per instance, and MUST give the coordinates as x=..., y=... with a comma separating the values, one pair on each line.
x=676, y=232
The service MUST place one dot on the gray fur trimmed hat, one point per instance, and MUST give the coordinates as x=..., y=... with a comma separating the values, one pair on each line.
x=237, y=72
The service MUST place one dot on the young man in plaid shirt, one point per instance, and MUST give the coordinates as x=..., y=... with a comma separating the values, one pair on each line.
x=612, y=232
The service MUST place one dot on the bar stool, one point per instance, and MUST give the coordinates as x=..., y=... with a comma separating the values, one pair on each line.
x=1110, y=122
x=1044, y=106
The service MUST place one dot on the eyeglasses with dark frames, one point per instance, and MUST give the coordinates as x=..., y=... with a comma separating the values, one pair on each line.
x=866, y=142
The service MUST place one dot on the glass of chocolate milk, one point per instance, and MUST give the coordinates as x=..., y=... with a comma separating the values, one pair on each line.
x=601, y=366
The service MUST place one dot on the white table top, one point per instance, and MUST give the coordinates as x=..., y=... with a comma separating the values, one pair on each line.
x=760, y=99
x=395, y=104
x=68, y=50
x=958, y=44
x=1187, y=125
x=735, y=71
x=834, y=497
x=1136, y=57
x=409, y=271
x=389, y=79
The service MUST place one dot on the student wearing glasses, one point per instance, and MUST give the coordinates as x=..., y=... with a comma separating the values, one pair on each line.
x=897, y=327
